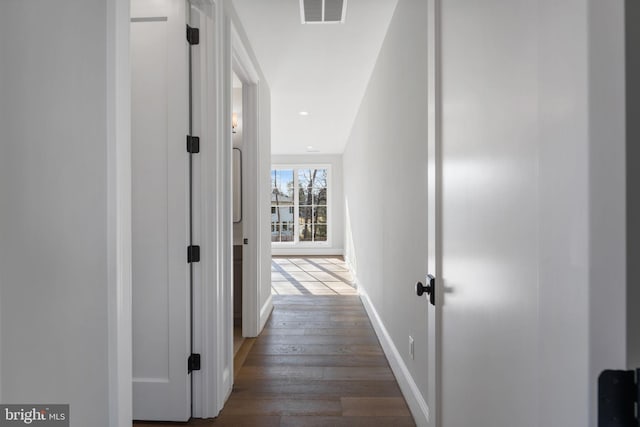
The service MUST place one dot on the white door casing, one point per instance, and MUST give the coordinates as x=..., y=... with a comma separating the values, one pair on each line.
x=211, y=298
x=160, y=215
x=243, y=67
x=434, y=236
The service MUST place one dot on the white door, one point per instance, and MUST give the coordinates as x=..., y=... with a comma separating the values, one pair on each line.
x=160, y=220
x=488, y=211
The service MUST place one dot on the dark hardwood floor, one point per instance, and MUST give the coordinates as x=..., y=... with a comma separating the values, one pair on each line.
x=318, y=361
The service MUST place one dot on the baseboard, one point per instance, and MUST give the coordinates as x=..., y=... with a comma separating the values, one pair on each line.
x=241, y=356
x=265, y=312
x=415, y=400
x=351, y=268
x=306, y=251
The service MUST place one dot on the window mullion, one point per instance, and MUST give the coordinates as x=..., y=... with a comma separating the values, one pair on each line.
x=296, y=208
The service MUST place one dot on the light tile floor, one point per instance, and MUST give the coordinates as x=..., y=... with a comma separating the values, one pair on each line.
x=311, y=276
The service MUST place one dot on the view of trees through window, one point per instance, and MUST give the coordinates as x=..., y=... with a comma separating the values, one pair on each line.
x=282, y=204
x=299, y=205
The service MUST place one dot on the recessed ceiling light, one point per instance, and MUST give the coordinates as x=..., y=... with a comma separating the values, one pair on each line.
x=304, y=113
x=310, y=149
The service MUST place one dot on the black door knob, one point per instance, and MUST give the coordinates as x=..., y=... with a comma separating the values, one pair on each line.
x=421, y=289
x=430, y=289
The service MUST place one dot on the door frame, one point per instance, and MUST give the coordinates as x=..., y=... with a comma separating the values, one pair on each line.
x=221, y=47
x=434, y=211
x=212, y=384
x=118, y=147
x=212, y=338
x=242, y=66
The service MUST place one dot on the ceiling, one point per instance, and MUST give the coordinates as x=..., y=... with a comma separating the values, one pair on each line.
x=322, y=69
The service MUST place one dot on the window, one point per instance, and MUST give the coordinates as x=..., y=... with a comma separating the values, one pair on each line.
x=299, y=205
x=312, y=205
x=282, y=205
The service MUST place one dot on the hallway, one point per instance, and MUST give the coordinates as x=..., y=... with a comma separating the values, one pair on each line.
x=491, y=145
x=318, y=361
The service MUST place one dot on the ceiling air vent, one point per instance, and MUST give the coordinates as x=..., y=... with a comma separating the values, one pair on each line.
x=323, y=11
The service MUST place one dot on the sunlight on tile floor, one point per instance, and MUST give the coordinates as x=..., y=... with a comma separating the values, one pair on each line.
x=311, y=276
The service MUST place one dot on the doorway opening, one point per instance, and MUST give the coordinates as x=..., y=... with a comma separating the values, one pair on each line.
x=238, y=234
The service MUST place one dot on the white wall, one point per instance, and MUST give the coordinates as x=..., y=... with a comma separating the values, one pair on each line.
x=385, y=186
x=58, y=127
x=582, y=277
x=336, y=202
x=569, y=55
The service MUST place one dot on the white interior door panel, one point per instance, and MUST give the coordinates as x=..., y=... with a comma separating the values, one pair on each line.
x=161, y=299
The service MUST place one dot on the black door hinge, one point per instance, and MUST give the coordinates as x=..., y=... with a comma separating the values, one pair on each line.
x=193, y=254
x=193, y=363
x=193, y=144
x=618, y=393
x=193, y=35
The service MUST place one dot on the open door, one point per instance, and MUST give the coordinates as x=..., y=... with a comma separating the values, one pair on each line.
x=488, y=230
x=160, y=211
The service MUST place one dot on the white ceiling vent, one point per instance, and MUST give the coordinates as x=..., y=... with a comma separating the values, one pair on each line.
x=323, y=11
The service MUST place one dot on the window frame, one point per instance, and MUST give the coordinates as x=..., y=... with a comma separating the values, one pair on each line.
x=296, y=243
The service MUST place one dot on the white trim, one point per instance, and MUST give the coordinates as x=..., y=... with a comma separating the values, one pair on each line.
x=265, y=311
x=243, y=66
x=279, y=251
x=208, y=303
x=213, y=309
x=205, y=6
x=251, y=200
x=344, y=12
x=224, y=224
x=242, y=63
x=119, y=297
x=302, y=21
x=276, y=246
x=408, y=386
x=434, y=210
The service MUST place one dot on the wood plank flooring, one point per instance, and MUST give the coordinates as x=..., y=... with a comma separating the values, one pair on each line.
x=318, y=361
